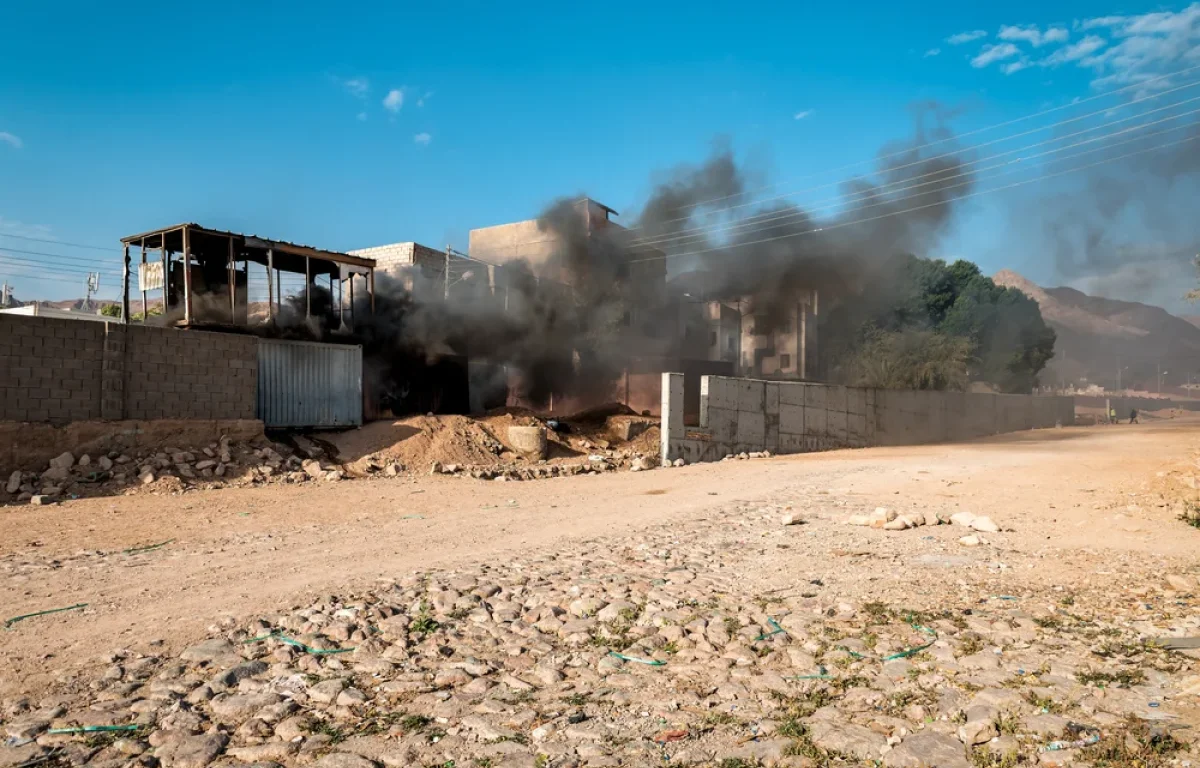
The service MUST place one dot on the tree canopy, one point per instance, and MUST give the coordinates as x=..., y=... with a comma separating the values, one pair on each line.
x=919, y=311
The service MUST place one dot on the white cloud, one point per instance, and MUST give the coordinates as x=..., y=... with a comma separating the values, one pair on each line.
x=11, y=140
x=932, y=52
x=1015, y=66
x=802, y=114
x=1144, y=47
x=394, y=100
x=421, y=101
x=993, y=53
x=1032, y=35
x=357, y=87
x=1075, y=51
x=423, y=139
x=966, y=37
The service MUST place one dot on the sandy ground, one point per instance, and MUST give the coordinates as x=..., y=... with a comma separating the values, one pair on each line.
x=1075, y=497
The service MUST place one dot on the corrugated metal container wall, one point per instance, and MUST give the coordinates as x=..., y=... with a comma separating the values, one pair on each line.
x=308, y=384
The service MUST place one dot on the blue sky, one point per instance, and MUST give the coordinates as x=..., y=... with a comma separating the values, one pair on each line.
x=346, y=127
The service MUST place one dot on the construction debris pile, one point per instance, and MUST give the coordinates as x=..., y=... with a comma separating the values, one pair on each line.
x=647, y=650
x=447, y=445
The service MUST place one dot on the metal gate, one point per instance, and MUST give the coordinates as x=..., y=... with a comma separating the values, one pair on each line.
x=306, y=384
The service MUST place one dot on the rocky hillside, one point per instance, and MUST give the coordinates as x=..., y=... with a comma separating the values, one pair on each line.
x=1098, y=336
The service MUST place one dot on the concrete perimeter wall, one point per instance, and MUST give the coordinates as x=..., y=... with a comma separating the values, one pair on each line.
x=749, y=415
x=62, y=371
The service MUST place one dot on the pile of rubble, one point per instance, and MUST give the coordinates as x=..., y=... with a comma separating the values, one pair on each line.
x=647, y=650
x=596, y=464
x=170, y=470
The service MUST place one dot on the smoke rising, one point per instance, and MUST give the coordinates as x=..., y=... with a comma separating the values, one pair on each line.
x=1124, y=229
x=574, y=321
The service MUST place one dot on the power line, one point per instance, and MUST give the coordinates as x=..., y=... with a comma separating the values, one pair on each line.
x=1003, y=173
x=56, y=242
x=920, y=207
x=59, y=256
x=958, y=137
x=941, y=156
x=754, y=222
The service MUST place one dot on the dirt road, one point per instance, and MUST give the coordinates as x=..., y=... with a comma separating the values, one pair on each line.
x=241, y=552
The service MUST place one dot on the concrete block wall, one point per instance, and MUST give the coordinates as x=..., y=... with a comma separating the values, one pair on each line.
x=189, y=375
x=749, y=415
x=50, y=369
x=68, y=371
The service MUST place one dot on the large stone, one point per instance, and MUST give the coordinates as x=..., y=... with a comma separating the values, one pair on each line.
x=217, y=651
x=313, y=469
x=984, y=525
x=183, y=751
x=928, y=750
x=63, y=461
x=232, y=677
x=273, y=751
x=847, y=738
x=326, y=692
x=977, y=732
x=962, y=518
x=14, y=482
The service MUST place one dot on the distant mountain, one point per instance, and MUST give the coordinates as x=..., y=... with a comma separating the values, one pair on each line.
x=1099, y=336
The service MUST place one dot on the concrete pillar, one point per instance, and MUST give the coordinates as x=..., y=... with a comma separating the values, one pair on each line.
x=672, y=413
x=112, y=372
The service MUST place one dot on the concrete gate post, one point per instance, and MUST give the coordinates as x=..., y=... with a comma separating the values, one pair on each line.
x=672, y=413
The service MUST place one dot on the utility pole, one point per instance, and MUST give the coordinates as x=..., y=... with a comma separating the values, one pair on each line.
x=5, y=295
x=92, y=286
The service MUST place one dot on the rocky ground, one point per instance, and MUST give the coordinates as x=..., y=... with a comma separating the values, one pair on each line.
x=765, y=632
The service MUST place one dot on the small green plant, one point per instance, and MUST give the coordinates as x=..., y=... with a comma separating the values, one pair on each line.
x=878, y=612
x=1048, y=622
x=541, y=761
x=414, y=723
x=483, y=762
x=423, y=623
x=1137, y=743
x=792, y=728
x=577, y=699
x=738, y=762
x=1008, y=723
x=1067, y=601
x=970, y=645
x=987, y=758
x=671, y=647
x=1123, y=679
x=1044, y=703
x=327, y=729
x=732, y=625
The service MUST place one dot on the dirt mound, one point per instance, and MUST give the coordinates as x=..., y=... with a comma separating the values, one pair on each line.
x=419, y=441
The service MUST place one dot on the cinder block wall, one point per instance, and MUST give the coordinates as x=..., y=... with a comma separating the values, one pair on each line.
x=50, y=369
x=748, y=415
x=71, y=370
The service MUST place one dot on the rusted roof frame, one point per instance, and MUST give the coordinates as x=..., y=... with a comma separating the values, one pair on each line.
x=255, y=242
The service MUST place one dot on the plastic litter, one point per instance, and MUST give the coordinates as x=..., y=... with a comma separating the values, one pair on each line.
x=9, y=622
x=95, y=729
x=1056, y=746
x=636, y=660
x=822, y=674
x=297, y=644
x=666, y=737
x=775, y=630
x=147, y=548
x=907, y=652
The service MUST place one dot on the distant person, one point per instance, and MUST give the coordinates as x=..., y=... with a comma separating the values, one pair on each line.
x=1133, y=416
x=1112, y=415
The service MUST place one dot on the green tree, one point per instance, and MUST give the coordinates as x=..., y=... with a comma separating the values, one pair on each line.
x=111, y=310
x=924, y=303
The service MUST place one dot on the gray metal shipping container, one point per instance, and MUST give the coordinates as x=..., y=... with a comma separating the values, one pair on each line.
x=306, y=384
